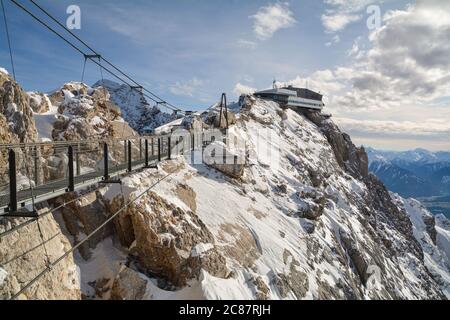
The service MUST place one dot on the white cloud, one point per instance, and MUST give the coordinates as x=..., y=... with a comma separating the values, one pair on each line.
x=431, y=128
x=336, y=39
x=337, y=22
x=246, y=44
x=407, y=63
x=188, y=88
x=324, y=81
x=431, y=134
x=397, y=89
x=271, y=18
x=243, y=89
x=341, y=13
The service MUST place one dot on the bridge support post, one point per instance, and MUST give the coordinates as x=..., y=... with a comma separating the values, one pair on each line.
x=71, y=171
x=106, y=176
x=125, y=151
x=159, y=149
x=12, y=182
x=170, y=148
x=129, y=156
x=153, y=147
x=77, y=160
x=140, y=149
x=13, y=205
x=36, y=165
x=105, y=162
x=146, y=153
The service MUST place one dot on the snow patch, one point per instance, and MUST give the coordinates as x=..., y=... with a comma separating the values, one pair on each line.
x=105, y=263
x=3, y=274
x=201, y=249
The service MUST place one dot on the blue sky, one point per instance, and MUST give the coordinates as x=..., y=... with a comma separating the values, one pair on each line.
x=190, y=52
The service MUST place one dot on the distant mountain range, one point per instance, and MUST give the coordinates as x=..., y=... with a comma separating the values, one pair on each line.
x=417, y=173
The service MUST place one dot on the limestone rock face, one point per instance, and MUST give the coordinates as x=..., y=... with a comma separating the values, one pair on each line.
x=134, y=107
x=355, y=255
x=430, y=222
x=16, y=122
x=6, y=136
x=85, y=113
x=161, y=237
x=15, y=107
x=39, y=102
x=349, y=157
x=63, y=282
x=84, y=216
x=128, y=285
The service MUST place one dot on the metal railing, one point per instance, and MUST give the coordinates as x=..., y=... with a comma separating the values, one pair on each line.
x=35, y=172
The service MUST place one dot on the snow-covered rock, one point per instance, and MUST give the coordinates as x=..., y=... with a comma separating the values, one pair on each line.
x=135, y=108
x=305, y=219
x=443, y=234
x=16, y=110
x=436, y=256
x=362, y=245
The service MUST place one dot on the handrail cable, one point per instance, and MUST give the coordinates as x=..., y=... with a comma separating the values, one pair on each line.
x=29, y=250
x=30, y=182
x=27, y=223
x=79, y=244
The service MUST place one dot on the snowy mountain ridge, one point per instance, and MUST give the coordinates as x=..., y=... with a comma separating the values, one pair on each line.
x=316, y=226
x=135, y=109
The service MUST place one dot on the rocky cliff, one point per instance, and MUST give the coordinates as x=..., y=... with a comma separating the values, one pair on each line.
x=135, y=108
x=303, y=219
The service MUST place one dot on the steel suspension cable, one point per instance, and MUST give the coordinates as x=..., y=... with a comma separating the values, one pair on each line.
x=90, y=58
x=88, y=237
x=27, y=223
x=3, y=264
x=104, y=59
x=9, y=39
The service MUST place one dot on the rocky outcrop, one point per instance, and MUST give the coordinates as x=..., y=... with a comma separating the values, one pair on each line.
x=15, y=107
x=313, y=210
x=162, y=239
x=84, y=216
x=357, y=258
x=128, y=285
x=6, y=136
x=23, y=257
x=294, y=281
x=350, y=158
x=84, y=113
x=430, y=223
x=134, y=107
x=39, y=102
